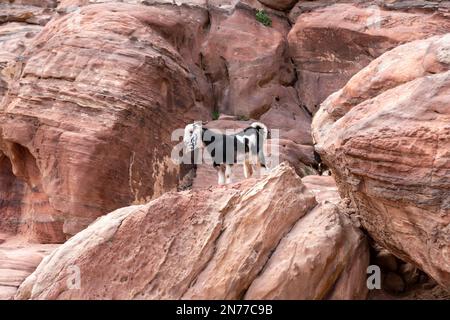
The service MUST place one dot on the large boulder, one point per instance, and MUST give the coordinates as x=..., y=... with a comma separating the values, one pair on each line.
x=330, y=45
x=323, y=257
x=88, y=118
x=17, y=262
x=205, y=244
x=386, y=137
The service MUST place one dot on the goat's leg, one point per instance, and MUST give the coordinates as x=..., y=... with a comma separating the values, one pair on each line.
x=248, y=170
x=261, y=159
x=227, y=173
x=221, y=174
x=262, y=163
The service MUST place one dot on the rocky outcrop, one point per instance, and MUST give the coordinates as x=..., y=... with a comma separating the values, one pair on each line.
x=14, y=37
x=91, y=91
x=247, y=63
x=18, y=261
x=323, y=257
x=20, y=22
x=415, y=5
x=89, y=116
x=251, y=73
x=27, y=11
x=68, y=117
x=11, y=195
x=206, y=244
x=332, y=44
x=386, y=137
x=279, y=4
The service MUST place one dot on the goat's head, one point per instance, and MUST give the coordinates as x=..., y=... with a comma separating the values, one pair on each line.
x=193, y=136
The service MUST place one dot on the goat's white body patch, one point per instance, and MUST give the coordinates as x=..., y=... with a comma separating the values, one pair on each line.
x=227, y=174
x=221, y=176
x=241, y=139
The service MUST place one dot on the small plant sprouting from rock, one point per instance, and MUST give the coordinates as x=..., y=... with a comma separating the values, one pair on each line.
x=243, y=118
x=215, y=115
x=261, y=16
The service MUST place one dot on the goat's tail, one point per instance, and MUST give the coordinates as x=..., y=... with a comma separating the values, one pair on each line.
x=263, y=127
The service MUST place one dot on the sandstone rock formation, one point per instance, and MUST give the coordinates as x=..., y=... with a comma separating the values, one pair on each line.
x=247, y=63
x=67, y=118
x=34, y=12
x=18, y=261
x=20, y=22
x=323, y=257
x=386, y=137
x=91, y=91
x=332, y=44
x=279, y=4
x=251, y=73
x=88, y=119
x=206, y=244
x=11, y=195
x=13, y=39
x=323, y=187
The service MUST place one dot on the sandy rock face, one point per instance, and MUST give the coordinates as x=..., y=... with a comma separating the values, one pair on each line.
x=251, y=73
x=386, y=137
x=188, y=245
x=279, y=4
x=181, y=245
x=17, y=262
x=97, y=95
x=246, y=62
x=323, y=256
x=34, y=12
x=17, y=30
x=11, y=195
x=332, y=44
x=14, y=37
x=99, y=98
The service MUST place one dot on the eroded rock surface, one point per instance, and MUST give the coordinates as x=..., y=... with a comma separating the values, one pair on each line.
x=208, y=244
x=386, y=136
x=18, y=260
x=330, y=45
x=88, y=120
x=323, y=256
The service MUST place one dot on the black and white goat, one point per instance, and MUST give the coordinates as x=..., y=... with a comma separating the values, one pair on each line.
x=225, y=150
